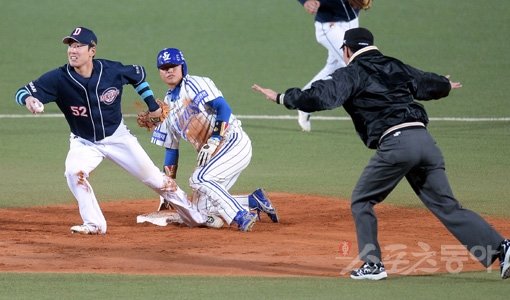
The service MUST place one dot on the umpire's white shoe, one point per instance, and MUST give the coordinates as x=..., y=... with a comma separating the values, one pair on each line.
x=370, y=271
x=304, y=121
x=214, y=222
x=504, y=258
x=83, y=229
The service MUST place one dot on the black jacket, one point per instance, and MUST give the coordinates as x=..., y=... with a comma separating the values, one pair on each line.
x=377, y=91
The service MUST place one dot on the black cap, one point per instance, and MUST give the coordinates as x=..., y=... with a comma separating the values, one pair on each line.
x=357, y=38
x=81, y=35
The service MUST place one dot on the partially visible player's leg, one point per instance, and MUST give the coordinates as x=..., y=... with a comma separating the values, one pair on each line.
x=304, y=121
x=257, y=201
x=188, y=211
x=83, y=158
x=212, y=181
x=123, y=149
x=330, y=36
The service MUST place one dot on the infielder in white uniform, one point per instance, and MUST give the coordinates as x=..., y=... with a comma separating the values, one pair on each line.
x=332, y=19
x=200, y=115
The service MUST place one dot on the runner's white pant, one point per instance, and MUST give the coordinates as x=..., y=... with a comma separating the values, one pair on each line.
x=211, y=182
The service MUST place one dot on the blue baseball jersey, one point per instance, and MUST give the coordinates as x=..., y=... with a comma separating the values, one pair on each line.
x=91, y=106
x=334, y=11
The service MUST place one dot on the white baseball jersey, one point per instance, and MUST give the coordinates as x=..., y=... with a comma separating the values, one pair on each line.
x=189, y=117
x=192, y=120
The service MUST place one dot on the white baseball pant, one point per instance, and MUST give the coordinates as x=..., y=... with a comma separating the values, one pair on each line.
x=123, y=149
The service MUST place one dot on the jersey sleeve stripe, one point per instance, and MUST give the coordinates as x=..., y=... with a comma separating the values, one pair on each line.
x=141, y=86
x=213, y=90
x=192, y=84
x=199, y=84
x=21, y=95
x=142, y=70
x=147, y=94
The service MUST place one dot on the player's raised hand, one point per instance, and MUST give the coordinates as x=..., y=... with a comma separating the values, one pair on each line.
x=453, y=84
x=269, y=93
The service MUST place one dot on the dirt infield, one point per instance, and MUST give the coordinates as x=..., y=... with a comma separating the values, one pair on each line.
x=316, y=239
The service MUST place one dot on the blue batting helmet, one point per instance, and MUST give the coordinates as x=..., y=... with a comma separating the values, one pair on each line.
x=172, y=56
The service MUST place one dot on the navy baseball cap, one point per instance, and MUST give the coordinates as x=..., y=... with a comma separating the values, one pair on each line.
x=172, y=56
x=81, y=35
x=357, y=38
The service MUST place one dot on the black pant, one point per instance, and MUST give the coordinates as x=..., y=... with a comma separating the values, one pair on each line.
x=413, y=153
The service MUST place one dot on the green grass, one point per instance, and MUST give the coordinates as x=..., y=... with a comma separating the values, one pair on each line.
x=272, y=43
x=269, y=42
x=82, y=286
x=326, y=162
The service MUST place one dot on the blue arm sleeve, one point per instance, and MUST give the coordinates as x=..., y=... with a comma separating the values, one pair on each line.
x=222, y=108
x=21, y=95
x=144, y=90
x=171, y=157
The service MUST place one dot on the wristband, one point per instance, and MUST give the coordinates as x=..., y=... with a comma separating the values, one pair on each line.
x=279, y=98
x=219, y=130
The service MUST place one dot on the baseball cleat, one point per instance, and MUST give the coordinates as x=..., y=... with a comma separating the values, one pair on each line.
x=370, y=271
x=304, y=121
x=245, y=220
x=263, y=204
x=83, y=229
x=214, y=222
x=504, y=258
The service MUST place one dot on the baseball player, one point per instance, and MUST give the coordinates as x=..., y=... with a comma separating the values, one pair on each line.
x=200, y=115
x=88, y=91
x=379, y=93
x=332, y=19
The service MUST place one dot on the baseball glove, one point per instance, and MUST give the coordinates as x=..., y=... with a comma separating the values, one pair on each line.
x=361, y=4
x=145, y=120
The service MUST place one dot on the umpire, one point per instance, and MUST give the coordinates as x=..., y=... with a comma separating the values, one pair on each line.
x=379, y=94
